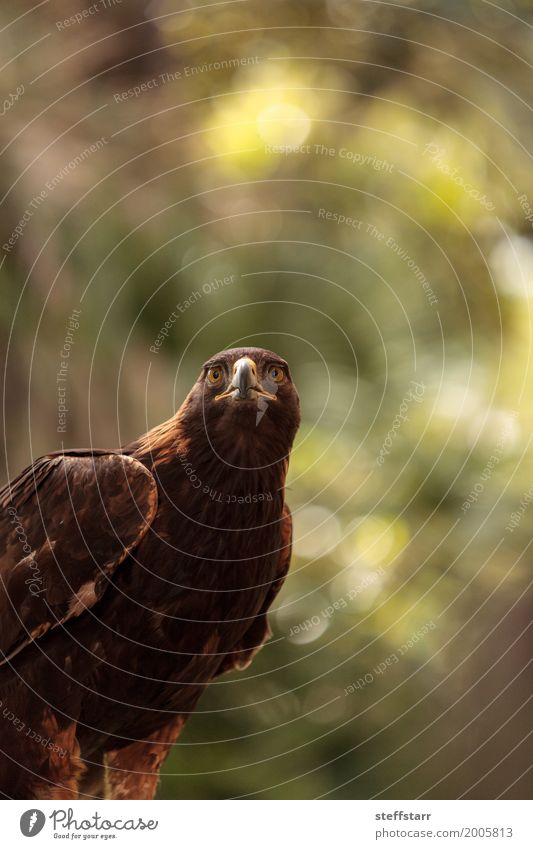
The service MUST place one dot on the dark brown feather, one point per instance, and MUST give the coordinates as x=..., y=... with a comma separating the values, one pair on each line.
x=65, y=525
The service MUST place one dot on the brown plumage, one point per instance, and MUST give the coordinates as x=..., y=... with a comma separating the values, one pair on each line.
x=132, y=578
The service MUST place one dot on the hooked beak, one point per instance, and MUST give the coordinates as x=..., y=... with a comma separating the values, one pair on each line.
x=244, y=382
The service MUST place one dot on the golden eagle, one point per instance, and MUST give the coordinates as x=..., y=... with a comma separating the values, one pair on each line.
x=131, y=578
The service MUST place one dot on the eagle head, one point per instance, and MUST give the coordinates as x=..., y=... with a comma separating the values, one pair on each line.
x=246, y=404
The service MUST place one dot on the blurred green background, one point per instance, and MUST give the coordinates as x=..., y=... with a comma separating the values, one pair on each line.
x=356, y=176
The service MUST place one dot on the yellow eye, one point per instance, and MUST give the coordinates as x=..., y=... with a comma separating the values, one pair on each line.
x=215, y=375
x=276, y=374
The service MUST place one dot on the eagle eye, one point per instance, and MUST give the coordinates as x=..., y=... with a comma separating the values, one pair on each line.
x=215, y=375
x=276, y=374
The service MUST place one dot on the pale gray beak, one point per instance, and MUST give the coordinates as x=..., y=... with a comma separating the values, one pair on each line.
x=244, y=377
x=244, y=385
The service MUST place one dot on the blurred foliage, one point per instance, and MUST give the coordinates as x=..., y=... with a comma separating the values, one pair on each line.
x=413, y=123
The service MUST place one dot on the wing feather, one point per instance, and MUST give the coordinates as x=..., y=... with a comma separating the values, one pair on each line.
x=66, y=523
